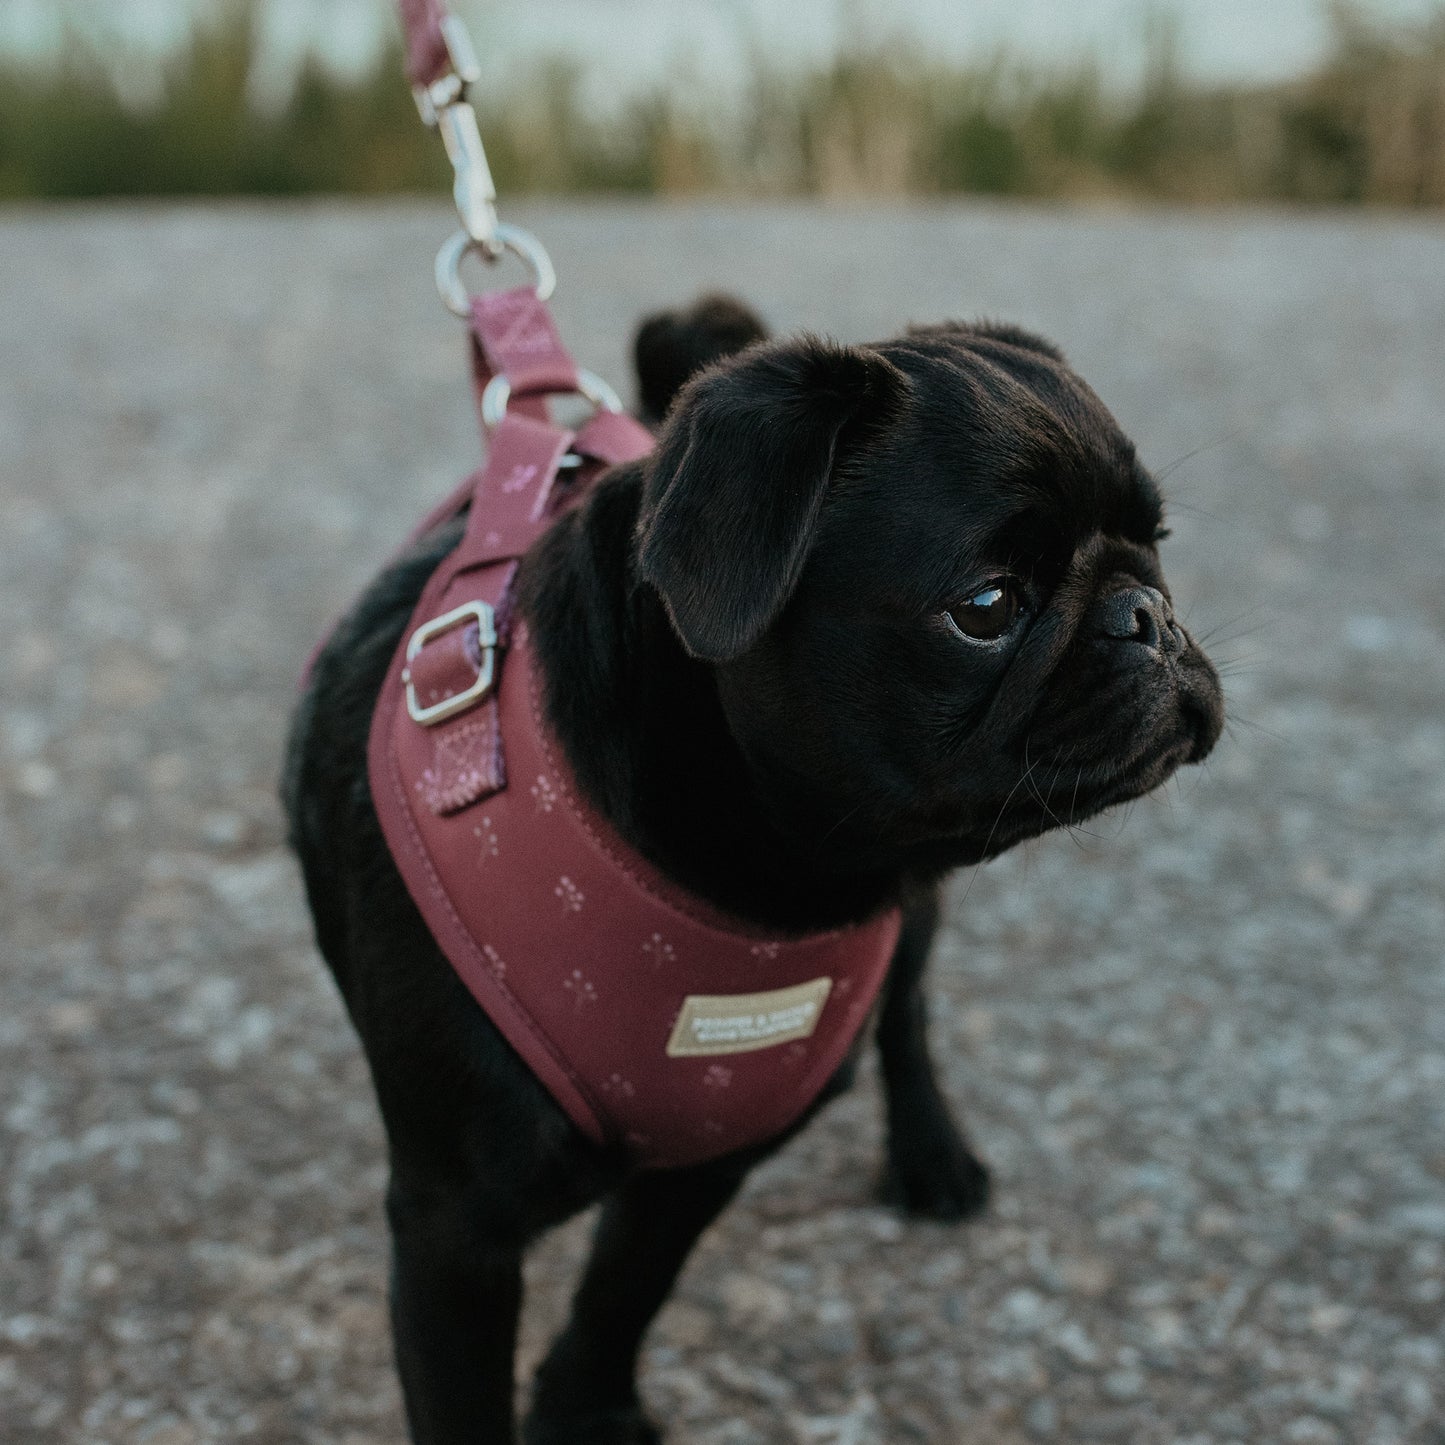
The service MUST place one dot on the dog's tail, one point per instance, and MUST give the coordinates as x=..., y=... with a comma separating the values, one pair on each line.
x=671, y=346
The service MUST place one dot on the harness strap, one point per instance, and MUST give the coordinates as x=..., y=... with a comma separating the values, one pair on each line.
x=514, y=335
x=513, y=493
x=454, y=655
x=452, y=670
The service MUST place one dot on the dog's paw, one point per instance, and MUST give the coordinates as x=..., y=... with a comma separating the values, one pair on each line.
x=946, y=1183
x=627, y=1426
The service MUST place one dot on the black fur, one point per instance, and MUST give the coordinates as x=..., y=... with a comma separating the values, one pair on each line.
x=674, y=345
x=747, y=660
x=735, y=490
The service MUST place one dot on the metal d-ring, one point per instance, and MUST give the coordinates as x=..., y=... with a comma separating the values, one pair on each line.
x=505, y=238
x=498, y=393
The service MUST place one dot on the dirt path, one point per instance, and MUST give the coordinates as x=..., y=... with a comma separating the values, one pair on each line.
x=1203, y=1046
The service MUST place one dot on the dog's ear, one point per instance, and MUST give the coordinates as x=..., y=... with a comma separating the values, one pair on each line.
x=672, y=346
x=733, y=492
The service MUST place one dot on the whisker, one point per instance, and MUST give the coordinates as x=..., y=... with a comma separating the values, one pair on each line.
x=1219, y=637
x=1039, y=797
x=1003, y=808
x=1256, y=726
x=1203, y=447
x=850, y=813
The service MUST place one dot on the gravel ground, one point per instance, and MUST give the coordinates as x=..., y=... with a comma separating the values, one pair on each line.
x=1202, y=1043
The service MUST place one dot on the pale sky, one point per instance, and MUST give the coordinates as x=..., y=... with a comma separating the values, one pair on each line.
x=628, y=44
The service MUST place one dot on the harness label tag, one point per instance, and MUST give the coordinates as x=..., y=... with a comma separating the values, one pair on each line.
x=738, y=1023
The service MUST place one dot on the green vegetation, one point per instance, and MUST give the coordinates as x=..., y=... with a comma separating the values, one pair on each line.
x=1367, y=127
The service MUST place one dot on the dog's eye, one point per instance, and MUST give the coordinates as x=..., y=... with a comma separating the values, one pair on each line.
x=990, y=612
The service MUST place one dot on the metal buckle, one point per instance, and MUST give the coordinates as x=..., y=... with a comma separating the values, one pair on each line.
x=486, y=636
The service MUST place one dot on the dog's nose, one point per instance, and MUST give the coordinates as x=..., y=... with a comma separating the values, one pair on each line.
x=1142, y=615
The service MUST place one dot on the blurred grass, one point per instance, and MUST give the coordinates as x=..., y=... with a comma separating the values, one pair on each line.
x=1366, y=127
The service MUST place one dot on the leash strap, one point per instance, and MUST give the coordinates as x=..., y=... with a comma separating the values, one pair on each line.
x=427, y=59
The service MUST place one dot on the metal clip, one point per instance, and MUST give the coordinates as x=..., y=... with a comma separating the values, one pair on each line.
x=444, y=104
x=473, y=189
x=466, y=70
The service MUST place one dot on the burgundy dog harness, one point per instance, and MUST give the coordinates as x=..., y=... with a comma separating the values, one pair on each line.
x=657, y=1023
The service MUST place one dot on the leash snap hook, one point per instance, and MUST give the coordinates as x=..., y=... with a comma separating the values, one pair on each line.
x=444, y=105
x=473, y=189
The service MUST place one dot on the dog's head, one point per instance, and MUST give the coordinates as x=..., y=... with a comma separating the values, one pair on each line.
x=927, y=575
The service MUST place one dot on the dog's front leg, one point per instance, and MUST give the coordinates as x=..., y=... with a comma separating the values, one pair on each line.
x=456, y=1290
x=586, y=1391
x=931, y=1170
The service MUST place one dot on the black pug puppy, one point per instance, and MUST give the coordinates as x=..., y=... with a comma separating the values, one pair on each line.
x=868, y=613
